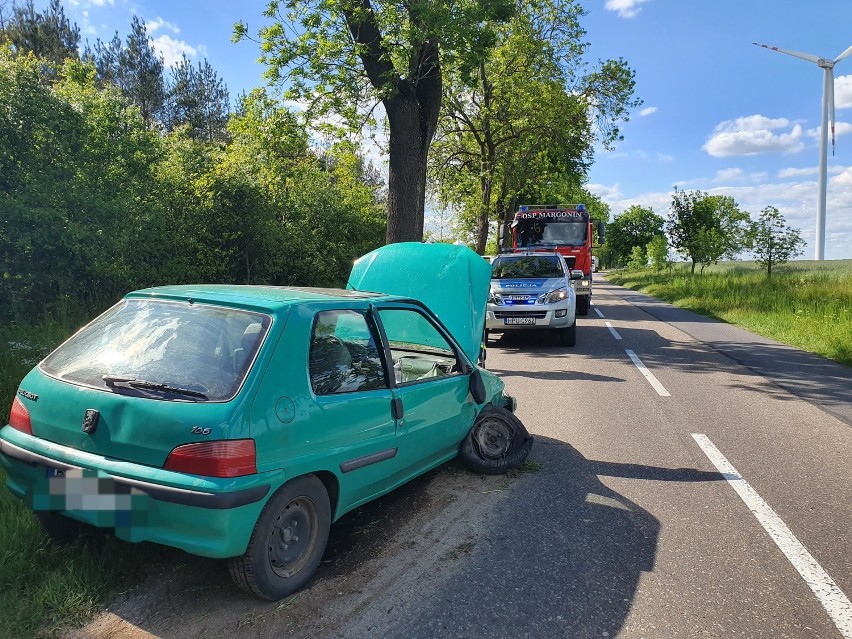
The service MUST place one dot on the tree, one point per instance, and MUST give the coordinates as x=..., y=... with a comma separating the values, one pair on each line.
x=48, y=35
x=198, y=98
x=527, y=116
x=636, y=226
x=773, y=241
x=342, y=56
x=638, y=259
x=106, y=56
x=140, y=72
x=658, y=252
x=707, y=228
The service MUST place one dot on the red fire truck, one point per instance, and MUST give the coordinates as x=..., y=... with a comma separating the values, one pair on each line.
x=565, y=229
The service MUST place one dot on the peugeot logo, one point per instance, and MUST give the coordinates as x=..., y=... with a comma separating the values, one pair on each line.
x=90, y=421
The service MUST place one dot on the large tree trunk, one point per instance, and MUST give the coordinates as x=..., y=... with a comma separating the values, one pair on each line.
x=409, y=142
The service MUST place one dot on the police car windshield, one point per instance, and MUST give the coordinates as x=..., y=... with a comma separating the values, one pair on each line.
x=527, y=267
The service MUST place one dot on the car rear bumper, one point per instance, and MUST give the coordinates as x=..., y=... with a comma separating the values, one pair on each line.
x=198, y=516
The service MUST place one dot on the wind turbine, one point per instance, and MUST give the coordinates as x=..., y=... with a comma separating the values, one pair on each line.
x=827, y=107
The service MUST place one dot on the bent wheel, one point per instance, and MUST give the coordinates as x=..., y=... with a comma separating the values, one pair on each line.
x=497, y=442
x=287, y=542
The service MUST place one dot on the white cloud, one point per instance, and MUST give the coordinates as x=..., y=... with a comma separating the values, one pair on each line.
x=172, y=49
x=625, y=8
x=840, y=128
x=606, y=193
x=729, y=175
x=158, y=23
x=753, y=135
x=843, y=92
x=647, y=111
x=759, y=176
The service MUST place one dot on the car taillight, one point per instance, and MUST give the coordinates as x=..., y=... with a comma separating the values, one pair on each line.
x=19, y=418
x=227, y=458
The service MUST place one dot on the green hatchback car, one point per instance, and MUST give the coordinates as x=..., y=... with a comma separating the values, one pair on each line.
x=239, y=422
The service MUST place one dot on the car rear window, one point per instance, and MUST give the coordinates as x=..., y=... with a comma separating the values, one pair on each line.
x=169, y=350
x=527, y=266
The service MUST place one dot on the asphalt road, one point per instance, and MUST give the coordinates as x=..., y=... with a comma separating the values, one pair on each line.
x=629, y=530
x=700, y=488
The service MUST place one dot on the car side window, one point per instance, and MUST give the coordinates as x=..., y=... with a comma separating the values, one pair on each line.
x=343, y=356
x=418, y=349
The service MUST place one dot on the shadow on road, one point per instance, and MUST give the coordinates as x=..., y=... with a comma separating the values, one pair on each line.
x=562, y=556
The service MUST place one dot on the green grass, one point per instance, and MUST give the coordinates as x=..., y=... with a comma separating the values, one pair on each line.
x=805, y=304
x=43, y=586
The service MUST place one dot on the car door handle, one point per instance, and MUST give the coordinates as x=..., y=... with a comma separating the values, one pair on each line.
x=396, y=408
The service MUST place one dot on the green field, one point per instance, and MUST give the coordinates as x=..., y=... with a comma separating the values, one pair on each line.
x=805, y=304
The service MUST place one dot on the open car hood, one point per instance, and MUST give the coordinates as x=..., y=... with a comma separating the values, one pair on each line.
x=451, y=280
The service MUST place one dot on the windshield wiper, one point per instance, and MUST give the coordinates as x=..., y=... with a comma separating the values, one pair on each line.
x=114, y=380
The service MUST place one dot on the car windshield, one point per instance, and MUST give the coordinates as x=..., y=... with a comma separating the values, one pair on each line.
x=167, y=350
x=527, y=267
x=549, y=232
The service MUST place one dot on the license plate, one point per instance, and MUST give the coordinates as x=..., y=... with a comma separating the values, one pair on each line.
x=519, y=320
x=516, y=298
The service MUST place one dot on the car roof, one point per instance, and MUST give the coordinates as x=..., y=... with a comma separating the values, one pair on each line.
x=255, y=296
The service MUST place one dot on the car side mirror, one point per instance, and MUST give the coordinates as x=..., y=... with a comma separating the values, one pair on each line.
x=601, y=232
x=477, y=387
x=577, y=275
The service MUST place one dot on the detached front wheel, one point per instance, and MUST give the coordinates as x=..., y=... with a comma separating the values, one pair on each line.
x=497, y=442
x=288, y=541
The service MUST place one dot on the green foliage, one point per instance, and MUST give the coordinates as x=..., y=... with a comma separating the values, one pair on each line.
x=636, y=226
x=658, y=252
x=638, y=259
x=47, y=35
x=805, y=304
x=521, y=128
x=707, y=228
x=198, y=98
x=341, y=57
x=140, y=72
x=774, y=242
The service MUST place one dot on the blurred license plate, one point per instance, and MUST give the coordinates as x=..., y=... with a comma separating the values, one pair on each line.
x=519, y=320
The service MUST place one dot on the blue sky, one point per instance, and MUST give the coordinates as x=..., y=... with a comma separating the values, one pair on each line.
x=719, y=114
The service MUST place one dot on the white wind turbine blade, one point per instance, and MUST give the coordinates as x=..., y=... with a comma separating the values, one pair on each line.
x=796, y=54
x=831, y=106
x=843, y=55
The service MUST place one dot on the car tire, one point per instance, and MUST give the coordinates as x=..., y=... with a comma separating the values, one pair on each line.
x=568, y=336
x=583, y=302
x=498, y=442
x=278, y=561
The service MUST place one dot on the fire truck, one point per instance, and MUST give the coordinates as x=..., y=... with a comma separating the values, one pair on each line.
x=565, y=229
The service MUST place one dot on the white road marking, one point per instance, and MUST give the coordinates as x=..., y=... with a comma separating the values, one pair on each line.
x=613, y=331
x=836, y=604
x=653, y=381
x=598, y=312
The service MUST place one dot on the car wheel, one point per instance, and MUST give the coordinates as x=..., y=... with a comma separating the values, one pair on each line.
x=288, y=541
x=497, y=442
x=568, y=336
x=583, y=304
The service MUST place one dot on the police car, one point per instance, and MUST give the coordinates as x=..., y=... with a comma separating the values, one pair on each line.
x=532, y=291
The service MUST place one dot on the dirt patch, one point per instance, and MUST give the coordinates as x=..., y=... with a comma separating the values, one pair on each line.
x=377, y=555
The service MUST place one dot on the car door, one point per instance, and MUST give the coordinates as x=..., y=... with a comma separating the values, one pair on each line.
x=430, y=384
x=352, y=419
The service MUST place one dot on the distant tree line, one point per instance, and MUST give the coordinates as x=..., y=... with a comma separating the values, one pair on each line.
x=702, y=228
x=112, y=178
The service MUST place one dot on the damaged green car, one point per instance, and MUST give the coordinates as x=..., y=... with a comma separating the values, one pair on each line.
x=239, y=422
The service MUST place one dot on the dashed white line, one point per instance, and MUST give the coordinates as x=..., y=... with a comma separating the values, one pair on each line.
x=653, y=381
x=613, y=331
x=832, y=598
x=598, y=312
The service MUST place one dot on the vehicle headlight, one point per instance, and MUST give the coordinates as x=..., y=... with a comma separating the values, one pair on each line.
x=584, y=283
x=554, y=296
x=494, y=298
